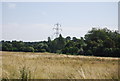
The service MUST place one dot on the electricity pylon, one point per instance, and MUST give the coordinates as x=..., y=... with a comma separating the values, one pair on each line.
x=57, y=29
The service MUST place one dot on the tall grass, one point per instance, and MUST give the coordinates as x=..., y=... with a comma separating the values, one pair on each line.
x=26, y=66
x=25, y=74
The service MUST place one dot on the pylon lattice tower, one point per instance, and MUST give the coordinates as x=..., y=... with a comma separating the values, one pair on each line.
x=57, y=29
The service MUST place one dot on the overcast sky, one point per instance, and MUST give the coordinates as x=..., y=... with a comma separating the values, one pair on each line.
x=33, y=21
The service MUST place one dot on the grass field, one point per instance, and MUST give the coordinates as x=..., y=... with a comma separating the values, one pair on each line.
x=16, y=65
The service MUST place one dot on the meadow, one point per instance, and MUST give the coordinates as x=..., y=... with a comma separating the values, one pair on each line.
x=18, y=65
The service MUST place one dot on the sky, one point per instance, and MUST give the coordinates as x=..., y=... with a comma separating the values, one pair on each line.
x=34, y=21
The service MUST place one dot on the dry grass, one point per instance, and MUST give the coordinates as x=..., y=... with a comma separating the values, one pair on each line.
x=53, y=66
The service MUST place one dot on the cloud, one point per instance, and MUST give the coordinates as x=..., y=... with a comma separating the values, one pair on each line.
x=11, y=5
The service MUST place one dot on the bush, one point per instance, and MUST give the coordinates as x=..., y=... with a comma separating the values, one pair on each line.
x=29, y=49
x=42, y=50
x=73, y=50
x=89, y=52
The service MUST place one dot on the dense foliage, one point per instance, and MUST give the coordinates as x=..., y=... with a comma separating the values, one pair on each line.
x=97, y=42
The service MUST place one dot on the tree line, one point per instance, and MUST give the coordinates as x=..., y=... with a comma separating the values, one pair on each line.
x=97, y=42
